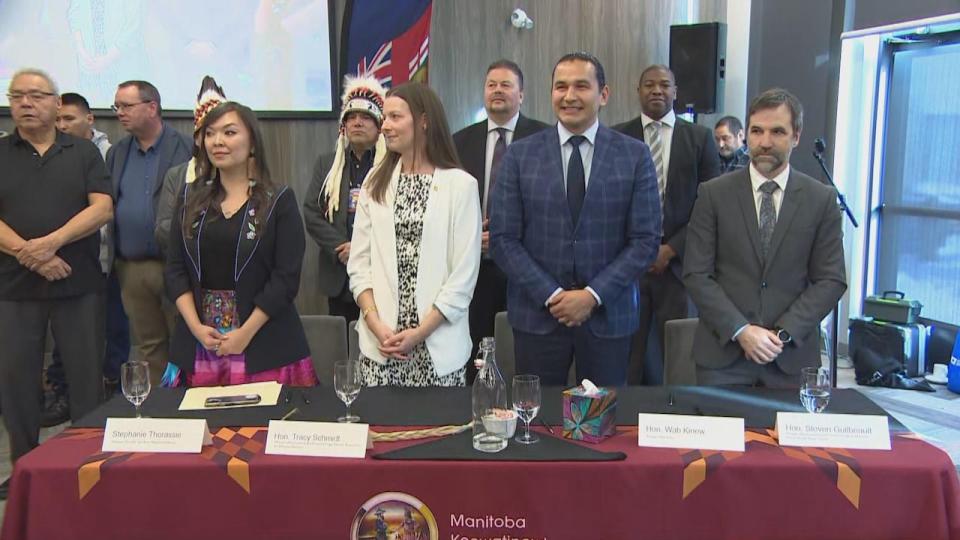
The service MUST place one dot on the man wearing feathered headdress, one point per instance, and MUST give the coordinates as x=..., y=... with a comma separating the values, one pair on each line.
x=331, y=201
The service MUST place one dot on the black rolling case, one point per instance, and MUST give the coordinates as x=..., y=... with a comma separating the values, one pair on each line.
x=907, y=343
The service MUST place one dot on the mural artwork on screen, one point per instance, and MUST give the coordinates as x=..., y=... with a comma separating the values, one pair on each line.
x=274, y=56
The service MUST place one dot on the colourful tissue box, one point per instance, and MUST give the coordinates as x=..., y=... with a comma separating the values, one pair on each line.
x=589, y=418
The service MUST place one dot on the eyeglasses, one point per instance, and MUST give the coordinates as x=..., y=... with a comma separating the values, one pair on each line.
x=120, y=107
x=35, y=95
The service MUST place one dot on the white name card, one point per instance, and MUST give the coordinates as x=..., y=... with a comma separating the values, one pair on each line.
x=863, y=432
x=317, y=439
x=173, y=435
x=695, y=432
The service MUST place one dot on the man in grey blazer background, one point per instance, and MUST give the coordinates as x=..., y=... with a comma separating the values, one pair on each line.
x=330, y=204
x=764, y=258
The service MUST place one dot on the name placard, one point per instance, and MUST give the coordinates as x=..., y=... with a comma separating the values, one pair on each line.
x=696, y=432
x=318, y=439
x=172, y=435
x=863, y=432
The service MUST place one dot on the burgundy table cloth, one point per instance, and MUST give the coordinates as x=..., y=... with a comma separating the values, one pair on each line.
x=68, y=489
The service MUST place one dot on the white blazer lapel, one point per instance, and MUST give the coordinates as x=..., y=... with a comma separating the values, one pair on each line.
x=385, y=234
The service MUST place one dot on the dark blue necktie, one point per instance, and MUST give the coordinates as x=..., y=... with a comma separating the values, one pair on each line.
x=576, y=179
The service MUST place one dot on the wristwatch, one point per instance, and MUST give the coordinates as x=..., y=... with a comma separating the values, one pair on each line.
x=784, y=336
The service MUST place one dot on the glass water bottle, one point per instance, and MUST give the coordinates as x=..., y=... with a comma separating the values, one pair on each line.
x=489, y=399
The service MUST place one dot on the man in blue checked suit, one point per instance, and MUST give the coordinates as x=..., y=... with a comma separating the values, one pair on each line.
x=575, y=222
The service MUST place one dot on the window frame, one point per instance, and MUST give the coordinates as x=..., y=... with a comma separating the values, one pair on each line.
x=880, y=209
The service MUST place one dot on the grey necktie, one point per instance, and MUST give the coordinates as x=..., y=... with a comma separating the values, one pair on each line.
x=768, y=215
x=656, y=151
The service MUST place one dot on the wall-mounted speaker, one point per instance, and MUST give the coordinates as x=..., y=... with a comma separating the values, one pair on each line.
x=698, y=60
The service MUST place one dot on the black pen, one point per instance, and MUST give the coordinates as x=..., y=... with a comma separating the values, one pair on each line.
x=546, y=425
x=288, y=396
x=304, y=396
x=670, y=402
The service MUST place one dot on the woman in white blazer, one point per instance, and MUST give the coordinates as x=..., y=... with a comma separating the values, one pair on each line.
x=415, y=251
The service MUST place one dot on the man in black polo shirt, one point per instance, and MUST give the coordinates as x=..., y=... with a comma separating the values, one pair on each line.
x=55, y=194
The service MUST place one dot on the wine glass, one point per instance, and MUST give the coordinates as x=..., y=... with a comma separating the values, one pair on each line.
x=346, y=381
x=526, y=401
x=135, y=382
x=815, y=388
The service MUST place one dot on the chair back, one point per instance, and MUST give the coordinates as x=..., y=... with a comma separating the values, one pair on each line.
x=503, y=335
x=327, y=338
x=353, y=341
x=679, y=366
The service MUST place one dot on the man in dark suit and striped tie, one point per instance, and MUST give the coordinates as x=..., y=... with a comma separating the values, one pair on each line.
x=685, y=155
x=481, y=147
x=575, y=221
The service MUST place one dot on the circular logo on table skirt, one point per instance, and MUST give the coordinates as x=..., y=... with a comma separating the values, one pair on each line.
x=394, y=516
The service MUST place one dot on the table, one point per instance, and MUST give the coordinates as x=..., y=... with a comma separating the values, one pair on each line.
x=67, y=489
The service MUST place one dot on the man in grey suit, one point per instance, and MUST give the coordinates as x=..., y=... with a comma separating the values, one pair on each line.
x=331, y=201
x=764, y=258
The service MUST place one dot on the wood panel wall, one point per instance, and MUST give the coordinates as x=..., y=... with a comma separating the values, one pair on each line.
x=626, y=35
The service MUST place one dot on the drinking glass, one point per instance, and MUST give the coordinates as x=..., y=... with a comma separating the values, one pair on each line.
x=346, y=381
x=135, y=382
x=815, y=388
x=526, y=401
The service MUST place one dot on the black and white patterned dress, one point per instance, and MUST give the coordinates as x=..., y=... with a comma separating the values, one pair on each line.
x=413, y=191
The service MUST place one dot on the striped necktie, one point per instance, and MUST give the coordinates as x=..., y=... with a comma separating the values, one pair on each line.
x=656, y=151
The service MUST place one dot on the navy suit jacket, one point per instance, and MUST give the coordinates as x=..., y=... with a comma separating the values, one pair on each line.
x=175, y=149
x=267, y=269
x=535, y=242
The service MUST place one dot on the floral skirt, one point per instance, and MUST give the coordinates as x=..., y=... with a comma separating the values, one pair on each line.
x=219, y=310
